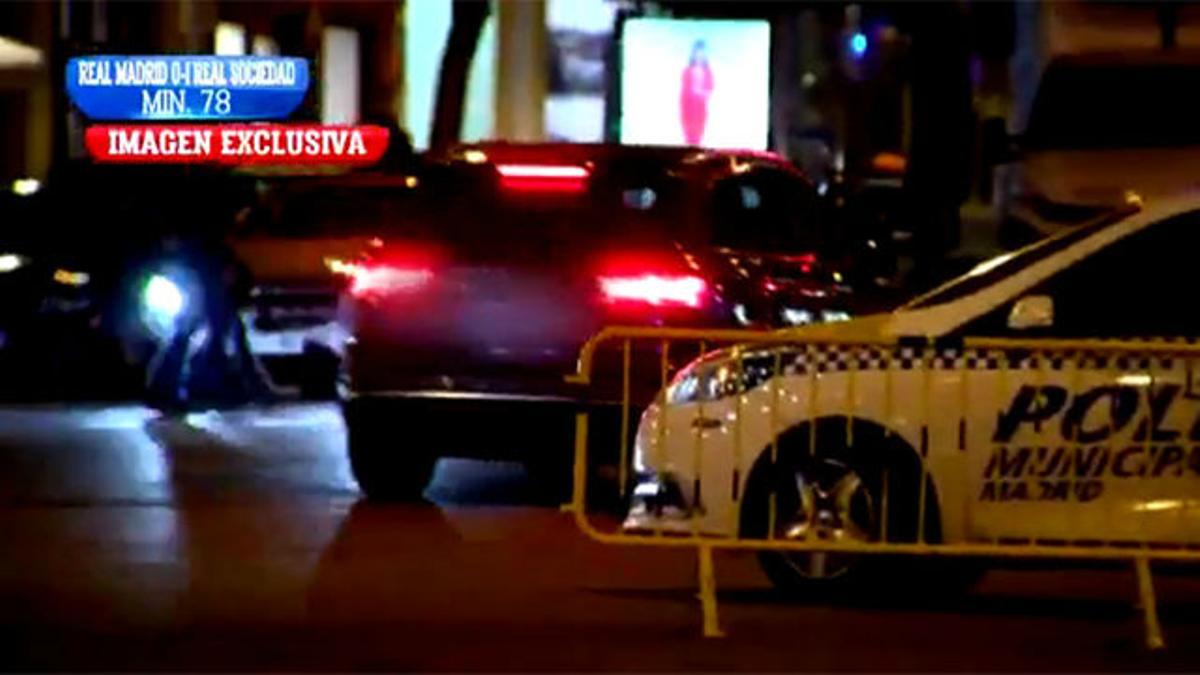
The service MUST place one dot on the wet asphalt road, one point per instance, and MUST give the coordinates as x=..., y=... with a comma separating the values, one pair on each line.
x=237, y=541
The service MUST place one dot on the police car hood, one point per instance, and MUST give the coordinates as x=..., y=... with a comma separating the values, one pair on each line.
x=866, y=329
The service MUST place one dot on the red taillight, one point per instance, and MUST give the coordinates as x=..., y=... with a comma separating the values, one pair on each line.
x=398, y=268
x=543, y=177
x=658, y=290
x=381, y=279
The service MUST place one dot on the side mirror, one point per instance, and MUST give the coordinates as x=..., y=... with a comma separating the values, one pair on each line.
x=1032, y=311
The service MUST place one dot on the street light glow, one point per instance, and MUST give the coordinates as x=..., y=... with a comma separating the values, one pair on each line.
x=858, y=44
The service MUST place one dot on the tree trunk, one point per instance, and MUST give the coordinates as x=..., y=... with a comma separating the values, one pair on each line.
x=938, y=175
x=465, y=28
x=1168, y=24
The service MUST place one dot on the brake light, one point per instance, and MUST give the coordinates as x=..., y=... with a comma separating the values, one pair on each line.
x=381, y=279
x=397, y=269
x=657, y=290
x=543, y=177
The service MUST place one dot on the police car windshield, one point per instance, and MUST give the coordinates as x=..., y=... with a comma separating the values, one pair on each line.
x=991, y=271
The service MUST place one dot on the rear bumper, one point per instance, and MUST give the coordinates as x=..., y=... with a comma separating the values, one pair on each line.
x=488, y=425
x=281, y=341
x=475, y=399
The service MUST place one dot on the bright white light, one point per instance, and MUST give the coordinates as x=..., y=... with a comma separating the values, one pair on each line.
x=229, y=39
x=14, y=54
x=698, y=82
x=991, y=264
x=797, y=317
x=23, y=187
x=1159, y=505
x=10, y=262
x=832, y=315
x=646, y=490
x=163, y=297
x=1135, y=380
x=70, y=278
x=739, y=313
x=264, y=45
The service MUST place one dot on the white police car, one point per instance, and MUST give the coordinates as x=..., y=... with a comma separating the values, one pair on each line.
x=1078, y=444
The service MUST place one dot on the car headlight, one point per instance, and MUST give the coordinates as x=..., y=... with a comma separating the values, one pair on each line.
x=163, y=297
x=71, y=278
x=720, y=375
x=11, y=262
x=162, y=301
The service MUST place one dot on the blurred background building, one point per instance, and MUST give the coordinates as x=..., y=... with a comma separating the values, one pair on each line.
x=854, y=88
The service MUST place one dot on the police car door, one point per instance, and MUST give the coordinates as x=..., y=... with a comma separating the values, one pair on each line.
x=1076, y=445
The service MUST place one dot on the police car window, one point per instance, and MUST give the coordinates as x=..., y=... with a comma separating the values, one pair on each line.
x=764, y=211
x=1138, y=286
x=1006, y=265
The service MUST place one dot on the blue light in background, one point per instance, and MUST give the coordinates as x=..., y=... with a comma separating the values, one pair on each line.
x=858, y=44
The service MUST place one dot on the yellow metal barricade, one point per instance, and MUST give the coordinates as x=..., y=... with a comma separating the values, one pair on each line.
x=970, y=422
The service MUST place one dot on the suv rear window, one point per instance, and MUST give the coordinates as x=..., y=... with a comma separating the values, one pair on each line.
x=469, y=208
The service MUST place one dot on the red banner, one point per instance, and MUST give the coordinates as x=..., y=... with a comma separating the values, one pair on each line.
x=236, y=143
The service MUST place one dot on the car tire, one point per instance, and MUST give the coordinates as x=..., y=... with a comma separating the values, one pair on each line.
x=385, y=470
x=836, y=491
x=322, y=375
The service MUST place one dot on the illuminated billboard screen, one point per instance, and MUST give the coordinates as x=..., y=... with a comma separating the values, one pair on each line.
x=695, y=82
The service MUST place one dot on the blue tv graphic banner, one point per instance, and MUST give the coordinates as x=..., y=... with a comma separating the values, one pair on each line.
x=187, y=87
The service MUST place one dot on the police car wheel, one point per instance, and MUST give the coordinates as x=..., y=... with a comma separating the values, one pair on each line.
x=830, y=502
x=322, y=375
x=835, y=493
x=386, y=471
x=823, y=499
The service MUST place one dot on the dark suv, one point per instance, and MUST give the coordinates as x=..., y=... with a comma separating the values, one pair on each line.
x=468, y=314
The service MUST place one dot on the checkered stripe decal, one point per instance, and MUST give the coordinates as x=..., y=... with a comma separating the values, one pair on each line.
x=843, y=358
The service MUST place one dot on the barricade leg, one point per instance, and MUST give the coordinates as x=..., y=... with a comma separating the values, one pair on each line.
x=579, y=468
x=1154, y=637
x=708, y=593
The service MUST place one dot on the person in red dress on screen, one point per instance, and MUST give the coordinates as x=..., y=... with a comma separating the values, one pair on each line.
x=694, y=94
